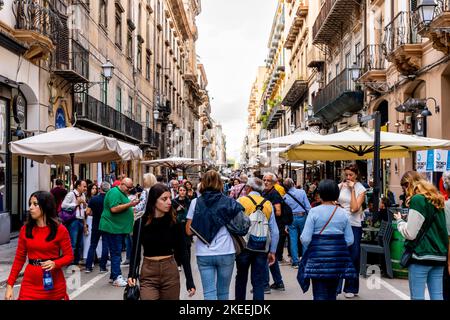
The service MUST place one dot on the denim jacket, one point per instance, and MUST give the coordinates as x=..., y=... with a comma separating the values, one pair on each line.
x=213, y=210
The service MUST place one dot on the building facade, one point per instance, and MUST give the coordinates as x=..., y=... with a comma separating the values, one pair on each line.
x=51, y=76
x=402, y=63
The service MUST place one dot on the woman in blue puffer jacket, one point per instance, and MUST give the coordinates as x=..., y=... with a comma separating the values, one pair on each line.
x=325, y=238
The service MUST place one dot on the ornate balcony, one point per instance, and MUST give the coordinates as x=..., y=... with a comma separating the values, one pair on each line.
x=152, y=139
x=75, y=70
x=37, y=26
x=373, y=63
x=340, y=96
x=403, y=44
x=275, y=114
x=438, y=31
x=332, y=16
x=297, y=23
x=294, y=91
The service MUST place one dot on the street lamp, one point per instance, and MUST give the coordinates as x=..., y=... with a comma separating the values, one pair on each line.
x=155, y=114
x=169, y=127
x=355, y=72
x=426, y=10
x=108, y=70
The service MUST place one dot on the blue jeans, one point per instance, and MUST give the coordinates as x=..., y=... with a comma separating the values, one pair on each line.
x=95, y=238
x=76, y=238
x=295, y=230
x=419, y=275
x=324, y=289
x=352, y=285
x=276, y=274
x=114, y=242
x=216, y=273
x=258, y=261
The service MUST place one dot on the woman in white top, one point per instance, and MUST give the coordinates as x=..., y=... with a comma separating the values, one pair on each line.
x=351, y=198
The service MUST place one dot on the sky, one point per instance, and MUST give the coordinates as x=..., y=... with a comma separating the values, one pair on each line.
x=232, y=43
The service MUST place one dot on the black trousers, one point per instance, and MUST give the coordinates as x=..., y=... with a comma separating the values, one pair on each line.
x=281, y=241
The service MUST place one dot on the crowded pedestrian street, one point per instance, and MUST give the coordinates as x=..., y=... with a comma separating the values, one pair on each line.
x=237, y=151
x=95, y=286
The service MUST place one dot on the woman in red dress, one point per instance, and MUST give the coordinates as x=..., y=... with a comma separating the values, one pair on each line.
x=46, y=243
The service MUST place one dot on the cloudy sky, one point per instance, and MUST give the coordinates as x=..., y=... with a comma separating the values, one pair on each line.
x=232, y=43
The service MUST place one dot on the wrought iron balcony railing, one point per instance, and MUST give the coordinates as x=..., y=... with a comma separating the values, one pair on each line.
x=37, y=16
x=105, y=116
x=402, y=31
x=372, y=58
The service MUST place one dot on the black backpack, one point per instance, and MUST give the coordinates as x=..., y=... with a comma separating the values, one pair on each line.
x=286, y=214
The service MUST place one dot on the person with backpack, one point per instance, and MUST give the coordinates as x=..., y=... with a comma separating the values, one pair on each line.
x=261, y=241
x=272, y=195
x=299, y=203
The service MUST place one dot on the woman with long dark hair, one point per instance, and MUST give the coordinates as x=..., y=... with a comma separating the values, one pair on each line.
x=46, y=244
x=162, y=238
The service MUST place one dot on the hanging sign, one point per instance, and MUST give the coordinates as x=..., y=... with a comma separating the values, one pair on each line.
x=18, y=105
x=440, y=161
x=421, y=161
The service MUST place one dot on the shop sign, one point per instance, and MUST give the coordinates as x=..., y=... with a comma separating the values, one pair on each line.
x=60, y=119
x=18, y=105
x=421, y=161
x=440, y=162
x=433, y=161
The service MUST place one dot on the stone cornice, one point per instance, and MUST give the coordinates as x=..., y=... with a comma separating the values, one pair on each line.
x=180, y=18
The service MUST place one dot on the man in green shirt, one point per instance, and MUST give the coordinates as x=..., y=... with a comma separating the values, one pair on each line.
x=116, y=222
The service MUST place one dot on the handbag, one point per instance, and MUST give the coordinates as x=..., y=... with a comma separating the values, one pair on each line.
x=68, y=215
x=406, y=258
x=133, y=293
x=238, y=228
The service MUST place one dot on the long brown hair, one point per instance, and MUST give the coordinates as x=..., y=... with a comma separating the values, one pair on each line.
x=153, y=195
x=416, y=184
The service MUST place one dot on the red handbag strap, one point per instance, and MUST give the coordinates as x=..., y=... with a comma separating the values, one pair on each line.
x=331, y=217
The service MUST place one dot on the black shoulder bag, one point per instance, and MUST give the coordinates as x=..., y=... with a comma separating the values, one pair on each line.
x=405, y=261
x=133, y=293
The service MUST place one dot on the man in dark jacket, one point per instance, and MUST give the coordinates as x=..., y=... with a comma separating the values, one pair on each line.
x=95, y=209
x=59, y=192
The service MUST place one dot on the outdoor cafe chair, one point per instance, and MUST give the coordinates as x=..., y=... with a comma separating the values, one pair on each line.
x=383, y=247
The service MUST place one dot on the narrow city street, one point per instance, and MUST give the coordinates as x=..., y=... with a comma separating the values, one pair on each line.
x=95, y=286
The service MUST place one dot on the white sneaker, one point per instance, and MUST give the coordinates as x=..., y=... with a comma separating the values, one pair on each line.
x=119, y=282
x=349, y=295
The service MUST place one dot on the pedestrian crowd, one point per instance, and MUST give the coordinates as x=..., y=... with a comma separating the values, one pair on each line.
x=245, y=224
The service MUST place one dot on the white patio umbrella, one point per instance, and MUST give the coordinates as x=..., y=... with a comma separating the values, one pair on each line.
x=289, y=139
x=129, y=151
x=174, y=163
x=358, y=144
x=57, y=147
x=68, y=145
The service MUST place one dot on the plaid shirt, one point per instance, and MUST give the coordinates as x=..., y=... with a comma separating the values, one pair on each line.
x=236, y=191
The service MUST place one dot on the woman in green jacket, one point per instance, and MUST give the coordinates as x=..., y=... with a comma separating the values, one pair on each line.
x=426, y=205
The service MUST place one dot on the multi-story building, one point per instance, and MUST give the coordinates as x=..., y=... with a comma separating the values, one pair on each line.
x=58, y=49
x=402, y=58
x=272, y=109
